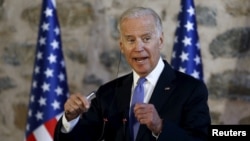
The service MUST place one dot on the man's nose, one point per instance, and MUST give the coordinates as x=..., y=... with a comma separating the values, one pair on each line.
x=139, y=45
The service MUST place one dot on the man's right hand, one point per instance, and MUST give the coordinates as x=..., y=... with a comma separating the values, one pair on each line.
x=75, y=105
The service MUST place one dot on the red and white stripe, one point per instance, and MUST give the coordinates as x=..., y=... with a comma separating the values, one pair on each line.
x=45, y=132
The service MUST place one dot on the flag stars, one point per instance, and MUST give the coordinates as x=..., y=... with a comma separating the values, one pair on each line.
x=191, y=11
x=32, y=98
x=48, y=12
x=54, y=44
x=27, y=127
x=39, y=55
x=57, y=31
x=30, y=113
x=195, y=74
x=189, y=26
x=173, y=54
x=184, y=56
x=58, y=90
x=42, y=41
x=39, y=115
x=61, y=77
x=52, y=58
x=42, y=101
x=181, y=69
x=49, y=73
x=55, y=105
x=34, y=84
x=197, y=60
x=45, y=87
x=63, y=63
x=45, y=26
x=48, y=92
x=37, y=70
x=186, y=41
x=198, y=45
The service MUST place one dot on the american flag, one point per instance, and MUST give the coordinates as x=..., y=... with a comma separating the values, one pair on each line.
x=186, y=55
x=49, y=88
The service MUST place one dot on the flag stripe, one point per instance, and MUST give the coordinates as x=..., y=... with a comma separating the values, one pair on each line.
x=42, y=134
x=31, y=138
x=50, y=126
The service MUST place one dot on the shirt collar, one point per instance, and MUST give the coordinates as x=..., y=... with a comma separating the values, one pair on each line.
x=153, y=76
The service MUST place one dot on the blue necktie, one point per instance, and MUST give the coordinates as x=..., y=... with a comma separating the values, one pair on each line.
x=138, y=97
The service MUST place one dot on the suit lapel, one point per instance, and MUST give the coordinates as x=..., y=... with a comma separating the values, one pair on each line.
x=161, y=93
x=163, y=88
x=122, y=96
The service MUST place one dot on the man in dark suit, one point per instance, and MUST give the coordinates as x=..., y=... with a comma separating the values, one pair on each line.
x=174, y=106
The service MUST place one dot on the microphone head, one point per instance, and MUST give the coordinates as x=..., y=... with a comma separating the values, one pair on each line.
x=91, y=96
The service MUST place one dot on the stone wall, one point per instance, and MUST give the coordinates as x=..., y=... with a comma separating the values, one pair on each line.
x=91, y=51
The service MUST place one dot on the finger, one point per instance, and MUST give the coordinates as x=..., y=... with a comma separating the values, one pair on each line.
x=67, y=107
x=73, y=104
x=145, y=113
x=140, y=105
x=72, y=108
x=142, y=121
x=140, y=116
x=86, y=103
x=81, y=102
x=140, y=109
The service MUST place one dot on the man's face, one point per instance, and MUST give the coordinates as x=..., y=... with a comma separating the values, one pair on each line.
x=140, y=43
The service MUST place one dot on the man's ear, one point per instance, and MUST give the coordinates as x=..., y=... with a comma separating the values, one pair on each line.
x=161, y=40
x=121, y=47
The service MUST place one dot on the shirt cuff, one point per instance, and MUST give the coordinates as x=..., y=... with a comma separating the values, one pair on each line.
x=67, y=126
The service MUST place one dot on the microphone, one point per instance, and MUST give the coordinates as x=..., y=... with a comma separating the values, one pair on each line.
x=91, y=96
x=105, y=120
x=125, y=121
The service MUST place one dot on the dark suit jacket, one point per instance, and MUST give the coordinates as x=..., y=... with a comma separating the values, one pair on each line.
x=180, y=100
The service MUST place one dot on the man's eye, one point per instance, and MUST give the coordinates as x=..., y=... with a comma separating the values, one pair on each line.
x=130, y=40
x=146, y=39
